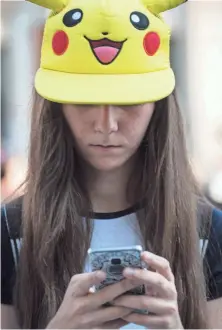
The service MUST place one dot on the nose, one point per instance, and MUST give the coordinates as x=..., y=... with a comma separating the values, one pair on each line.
x=105, y=33
x=106, y=120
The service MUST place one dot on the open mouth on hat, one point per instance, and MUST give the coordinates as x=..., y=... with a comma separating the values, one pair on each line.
x=105, y=50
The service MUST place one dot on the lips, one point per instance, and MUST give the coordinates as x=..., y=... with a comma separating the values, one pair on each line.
x=106, y=149
x=105, y=50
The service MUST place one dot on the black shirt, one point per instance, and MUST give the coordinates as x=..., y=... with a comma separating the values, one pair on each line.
x=11, y=243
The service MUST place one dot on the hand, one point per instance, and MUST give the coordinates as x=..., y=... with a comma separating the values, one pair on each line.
x=83, y=310
x=160, y=298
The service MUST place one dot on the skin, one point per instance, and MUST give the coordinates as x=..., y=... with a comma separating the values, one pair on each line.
x=107, y=172
x=160, y=297
x=107, y=169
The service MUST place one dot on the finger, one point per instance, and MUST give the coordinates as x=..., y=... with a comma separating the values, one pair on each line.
x=161, y=265
x=117, y=324
x=80, y=284
x=150, y=321
x=153, y=305
x=156, y=281
x=110, y=292
x=92, y=290
x=105, y=314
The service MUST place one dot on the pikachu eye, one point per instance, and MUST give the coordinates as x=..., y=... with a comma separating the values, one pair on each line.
x=139, y=20
x=73, y=17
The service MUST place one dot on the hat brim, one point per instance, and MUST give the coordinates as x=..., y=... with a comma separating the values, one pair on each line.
x=119, y=89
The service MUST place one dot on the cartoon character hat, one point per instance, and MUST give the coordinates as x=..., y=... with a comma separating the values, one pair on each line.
x=105, y=52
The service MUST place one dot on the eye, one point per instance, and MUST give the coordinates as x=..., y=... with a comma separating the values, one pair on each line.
x=131, y=107
x=139, y=20
x=73, y=17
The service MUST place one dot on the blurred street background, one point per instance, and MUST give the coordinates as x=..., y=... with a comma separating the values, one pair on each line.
x=197, y=62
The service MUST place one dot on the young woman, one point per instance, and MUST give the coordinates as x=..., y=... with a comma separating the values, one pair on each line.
x=108, y=168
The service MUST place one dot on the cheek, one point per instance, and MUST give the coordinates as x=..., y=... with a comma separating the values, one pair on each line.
x=60, y=42
x=151, y=43
x=141, y=121
x=136, y=129
x=78, y=123
x=72, y=118
x=79, y=131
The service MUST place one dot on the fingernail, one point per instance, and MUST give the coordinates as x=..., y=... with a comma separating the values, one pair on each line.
x=129, y=271
x=92, y=290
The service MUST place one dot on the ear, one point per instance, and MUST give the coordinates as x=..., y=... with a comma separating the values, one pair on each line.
x=159, y=6
x=55, y=5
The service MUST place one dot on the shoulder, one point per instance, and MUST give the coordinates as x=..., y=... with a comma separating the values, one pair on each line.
x=209, y=219
x=11, y=220
x=217, y=221
x=215, y=235
x=11, y=214
x=214, y=249
x=213, y=257
x=10, y=246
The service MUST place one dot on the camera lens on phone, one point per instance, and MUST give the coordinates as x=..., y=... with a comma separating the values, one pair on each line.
x=116, y=261
x=116, y=270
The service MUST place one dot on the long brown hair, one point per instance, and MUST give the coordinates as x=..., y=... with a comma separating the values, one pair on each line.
x=55, y=241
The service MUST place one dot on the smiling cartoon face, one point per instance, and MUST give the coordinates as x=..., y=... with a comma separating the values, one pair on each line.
x=105, y=36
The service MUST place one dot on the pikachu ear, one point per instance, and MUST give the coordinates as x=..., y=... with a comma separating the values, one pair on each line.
x=159, y=6
x=55, y=5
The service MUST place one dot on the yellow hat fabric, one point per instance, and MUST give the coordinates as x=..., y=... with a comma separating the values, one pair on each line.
x=105, y=52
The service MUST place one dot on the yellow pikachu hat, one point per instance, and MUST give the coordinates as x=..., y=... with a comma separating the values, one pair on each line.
x=105, y=52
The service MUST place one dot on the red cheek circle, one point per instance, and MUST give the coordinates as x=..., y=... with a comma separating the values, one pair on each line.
x=60, y=42
x=151, y=43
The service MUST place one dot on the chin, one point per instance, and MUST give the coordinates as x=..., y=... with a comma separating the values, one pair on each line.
x=106, y=165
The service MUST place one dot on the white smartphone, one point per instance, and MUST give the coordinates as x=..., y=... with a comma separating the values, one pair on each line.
x=113, y=261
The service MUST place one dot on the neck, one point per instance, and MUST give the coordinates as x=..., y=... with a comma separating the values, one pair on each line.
x=108, y=190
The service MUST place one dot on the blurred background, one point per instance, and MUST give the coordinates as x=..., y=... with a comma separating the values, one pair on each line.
x=197, y=62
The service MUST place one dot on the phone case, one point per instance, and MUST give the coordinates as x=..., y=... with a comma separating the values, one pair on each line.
x=113, y=261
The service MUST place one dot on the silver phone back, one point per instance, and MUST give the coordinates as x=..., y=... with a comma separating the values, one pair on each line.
x=113, y=262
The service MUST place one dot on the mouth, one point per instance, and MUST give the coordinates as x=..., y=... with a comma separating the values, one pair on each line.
x=105, y=50
x=104, y=148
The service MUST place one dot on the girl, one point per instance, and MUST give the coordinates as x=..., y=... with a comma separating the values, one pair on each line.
x=108, y=168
